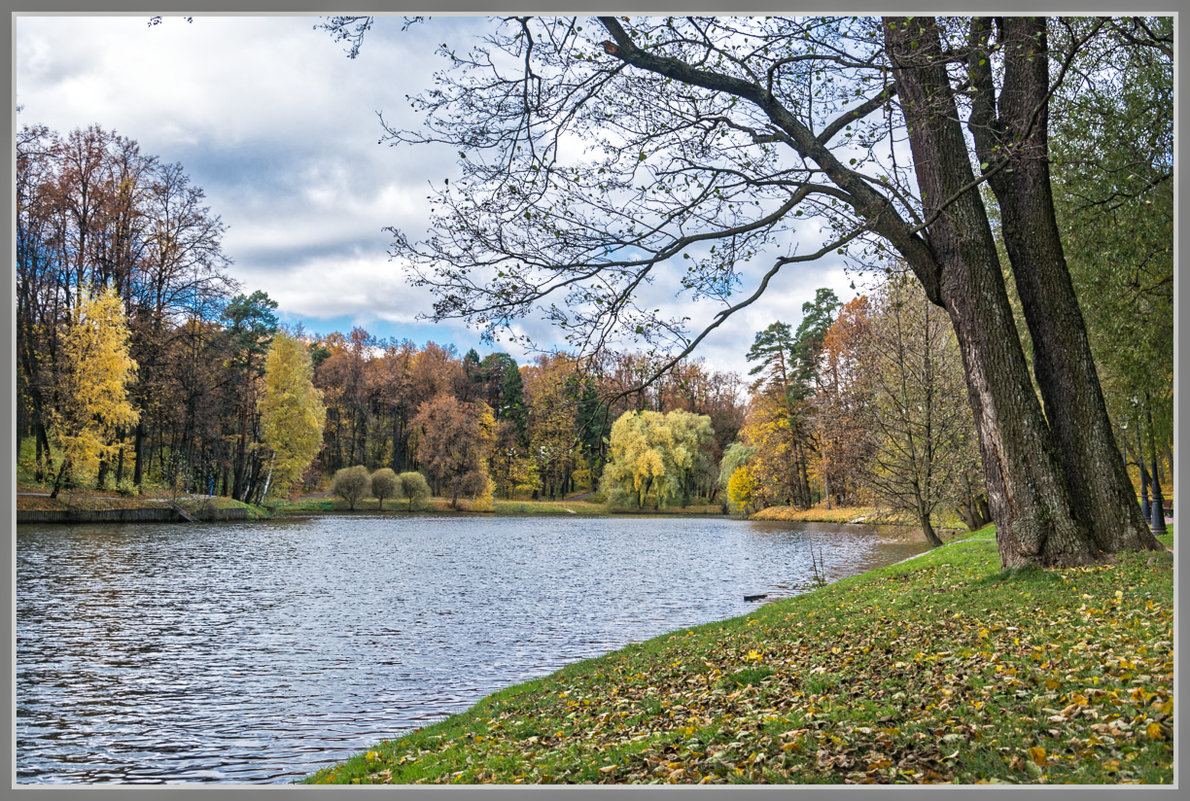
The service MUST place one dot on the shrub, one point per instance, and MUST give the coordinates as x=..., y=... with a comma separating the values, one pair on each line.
x=385, y=484
x=619, y=499
x=413, y=487
x=352, y=484
x=127, y=488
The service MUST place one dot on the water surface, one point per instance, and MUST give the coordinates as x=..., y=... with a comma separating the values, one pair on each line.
x=259, y=652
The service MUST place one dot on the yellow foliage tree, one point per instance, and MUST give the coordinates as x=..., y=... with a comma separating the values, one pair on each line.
x=292, y=414
x=92, y=387
x=662, y=456
x=740, y=489
x=485, y=497
x=553, y=434
x=779, y=456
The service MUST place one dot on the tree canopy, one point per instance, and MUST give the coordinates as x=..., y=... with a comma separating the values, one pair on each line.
x=92, y=388
x=711, y=142
x=292, y=415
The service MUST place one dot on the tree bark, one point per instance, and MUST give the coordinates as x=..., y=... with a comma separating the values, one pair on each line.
x=1036, y=523
x=927, y=528
x=45, y=457
x=138, y=447
x=1015, y=148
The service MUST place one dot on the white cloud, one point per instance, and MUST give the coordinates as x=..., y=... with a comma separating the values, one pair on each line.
x=280, y=128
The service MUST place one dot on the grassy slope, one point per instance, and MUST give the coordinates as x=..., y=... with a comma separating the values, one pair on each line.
x=101, y=500
x=935, y=670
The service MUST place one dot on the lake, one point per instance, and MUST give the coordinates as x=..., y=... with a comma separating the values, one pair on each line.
x=260, y=652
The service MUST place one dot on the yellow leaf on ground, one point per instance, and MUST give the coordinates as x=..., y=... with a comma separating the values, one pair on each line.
x=1037, y=754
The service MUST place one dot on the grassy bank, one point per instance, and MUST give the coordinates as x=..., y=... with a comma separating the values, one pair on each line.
x=820, y=514
x=940, y=669
x=945, y=522
x=35, y=498
x=523, y=508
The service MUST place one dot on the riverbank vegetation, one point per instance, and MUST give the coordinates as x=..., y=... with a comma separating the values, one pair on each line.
x=91, y=500
x=939, y=669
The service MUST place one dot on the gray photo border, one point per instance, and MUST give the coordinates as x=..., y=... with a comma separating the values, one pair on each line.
x=10, y=790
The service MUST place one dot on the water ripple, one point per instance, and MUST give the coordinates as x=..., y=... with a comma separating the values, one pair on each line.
x=260, y=652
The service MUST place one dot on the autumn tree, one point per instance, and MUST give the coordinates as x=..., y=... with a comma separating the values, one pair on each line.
x=38, y=305
x=91, y=396
x=736, y=456
x=291, y=412
x=413, y=487
x=385, y=484
x=783, y=422
x=391, y=388
x=93, y=209
x=456, y=439
x=741, y=490
x=917, y=413
x=639, y=442
x=629, y=381
x=741, y=129
x=352, y=484
x=845, y=442
x=205, y=423
x=554, y=447
x=663, y=457
x=343, y=376
x=779, y=466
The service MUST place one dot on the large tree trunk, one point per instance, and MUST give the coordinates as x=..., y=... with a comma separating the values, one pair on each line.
x=1036, y=523
x=1016, y=149
x=45, y=457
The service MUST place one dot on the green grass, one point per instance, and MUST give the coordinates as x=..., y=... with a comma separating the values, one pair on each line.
x=567, y=508
x=940, y=669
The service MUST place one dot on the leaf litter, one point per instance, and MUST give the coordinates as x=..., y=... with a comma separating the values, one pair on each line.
x=941, y=670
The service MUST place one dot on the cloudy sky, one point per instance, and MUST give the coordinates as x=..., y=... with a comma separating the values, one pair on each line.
x=280, y=128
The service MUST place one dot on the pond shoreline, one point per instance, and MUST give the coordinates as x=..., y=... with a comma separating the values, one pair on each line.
x=34, y=506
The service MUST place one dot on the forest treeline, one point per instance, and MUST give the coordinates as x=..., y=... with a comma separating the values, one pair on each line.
x=139, y=360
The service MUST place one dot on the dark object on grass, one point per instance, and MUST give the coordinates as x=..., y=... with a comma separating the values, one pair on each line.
x=755, y=597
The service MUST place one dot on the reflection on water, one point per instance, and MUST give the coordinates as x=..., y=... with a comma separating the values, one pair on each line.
x=260, y=652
